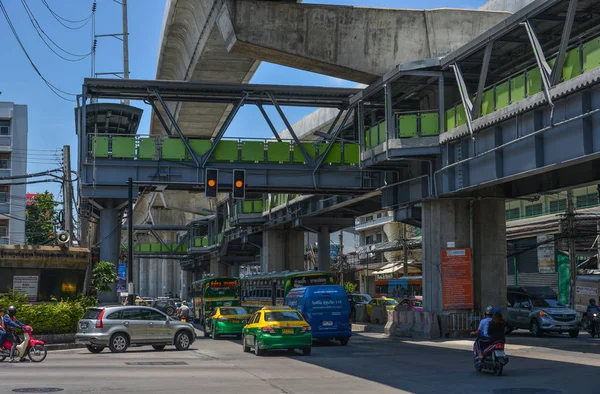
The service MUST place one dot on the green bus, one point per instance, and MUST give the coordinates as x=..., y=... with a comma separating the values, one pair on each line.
x=271, y=289
x=210, y=293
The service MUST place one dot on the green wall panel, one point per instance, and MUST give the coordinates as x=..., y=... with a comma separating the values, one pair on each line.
x=200, y=146
x=310, y=148
x=173, y=149
x=253, y=151
x=450, y=119
x=572, y=65
x=487, y=102
x=502, y=96
x=334, y=156
x=407, y=125
x=382, y=132
x=100, y=147
x=257, y=206
x=534, y=81
x=351, y=153
x=591, y=55
x=517, y=88
x=226, y=150
x=278, y=152
x=430, y=124
x=147, y=148
x=123, y=147
x=461, y=116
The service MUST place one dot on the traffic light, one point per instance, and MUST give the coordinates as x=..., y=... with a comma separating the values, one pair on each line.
x=211, y=182
x=239, y=184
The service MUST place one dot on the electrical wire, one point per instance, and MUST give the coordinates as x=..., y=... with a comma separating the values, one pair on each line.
x=60, y=19
x=52, y=87
x=40, y=31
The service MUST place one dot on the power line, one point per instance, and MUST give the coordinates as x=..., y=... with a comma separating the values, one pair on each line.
x=60, y=18
x=38, y=28
x=52, y=87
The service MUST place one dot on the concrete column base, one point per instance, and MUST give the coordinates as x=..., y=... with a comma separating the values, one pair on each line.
x=282, y=251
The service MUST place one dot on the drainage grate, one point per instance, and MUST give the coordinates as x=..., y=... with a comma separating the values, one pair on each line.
x=159, y=363
x=526, y=390
x=38, y=390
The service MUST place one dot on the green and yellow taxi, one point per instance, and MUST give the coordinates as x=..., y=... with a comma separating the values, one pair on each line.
x=225, y=320
x=277, y=327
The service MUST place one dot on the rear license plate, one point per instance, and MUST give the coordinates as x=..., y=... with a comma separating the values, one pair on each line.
x=287, y=331
x=499, y=353
x=83, y=325
x=235, y=321
x=327, y=323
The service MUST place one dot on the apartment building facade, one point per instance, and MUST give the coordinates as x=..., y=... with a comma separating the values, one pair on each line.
x=13, y=161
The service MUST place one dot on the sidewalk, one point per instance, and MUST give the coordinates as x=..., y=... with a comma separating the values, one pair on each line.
x=368, y=327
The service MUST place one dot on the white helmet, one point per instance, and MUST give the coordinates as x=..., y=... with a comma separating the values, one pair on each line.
x=489, y=311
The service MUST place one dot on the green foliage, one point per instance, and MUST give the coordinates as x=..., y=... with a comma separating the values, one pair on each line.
x=349, y=287
x=40, y=216
x=49, y=318
x=103, y=275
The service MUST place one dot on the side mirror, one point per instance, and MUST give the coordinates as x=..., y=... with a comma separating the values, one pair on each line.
x=526, y=305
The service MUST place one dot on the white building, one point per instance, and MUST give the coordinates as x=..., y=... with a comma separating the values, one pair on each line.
x=13, y=161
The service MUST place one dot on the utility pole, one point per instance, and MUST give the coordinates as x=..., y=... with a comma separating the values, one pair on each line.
x=405, y=247
x=67, y=193
x=598, y=244
x=125, y=45
x=572, y=251
x=130, y=286
x=341, y=257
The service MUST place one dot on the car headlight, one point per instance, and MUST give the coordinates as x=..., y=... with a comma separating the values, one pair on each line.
x=544, y=315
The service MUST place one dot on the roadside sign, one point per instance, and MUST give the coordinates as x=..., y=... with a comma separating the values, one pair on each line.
x=457, y=279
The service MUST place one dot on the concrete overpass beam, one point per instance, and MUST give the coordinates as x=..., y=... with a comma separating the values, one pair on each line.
x=324, y=249
x=282, y=251
x=354, y=43
x=479, y=225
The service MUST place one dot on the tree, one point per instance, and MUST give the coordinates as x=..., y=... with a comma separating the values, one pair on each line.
x=103, y=275
x=40, y=218
x=349, y=287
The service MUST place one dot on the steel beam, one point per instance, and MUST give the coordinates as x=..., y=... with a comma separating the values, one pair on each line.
x=330, y=144
x=464, y=96
x=160, y=118
x=309, y=161
x=487, y=55
x=538, y=52
x=156, y=94
x=556, y=74
x=219, y=92
x=223, y=129
x=268, y=120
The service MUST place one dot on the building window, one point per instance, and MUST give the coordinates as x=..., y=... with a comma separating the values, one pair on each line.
x=533, y=210
x=3, y=231
x=4, y=161
x=587, y=200
x=558, y=206
x=4, y=127
x=369, y=240
x=4, y=194
x=512, y=213
x=378, y=238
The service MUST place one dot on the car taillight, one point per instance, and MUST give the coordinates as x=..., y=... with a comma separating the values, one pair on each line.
x=99, y=320
x=305, y=329
x=268, y=329
x=222, y=318
x=499, y=346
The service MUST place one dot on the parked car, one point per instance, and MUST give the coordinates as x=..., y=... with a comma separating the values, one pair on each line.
x=357, y=299
x=165, y=305
x=388, y=303
x=412, y=303
x=118, y=327
x=275, y=327
x=225, y=320
x=537, y=309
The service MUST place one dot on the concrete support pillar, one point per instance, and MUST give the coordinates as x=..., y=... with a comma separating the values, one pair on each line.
x=143, y=284
x=324, y=246
x=454, y=221
x=136, y=274
x=282, y=251
x=109, y=236
x=217, y=268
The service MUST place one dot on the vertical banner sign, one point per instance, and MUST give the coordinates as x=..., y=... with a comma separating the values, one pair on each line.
x=545, y=254
x=457, y=279
x=27, y=285
x=122, y=282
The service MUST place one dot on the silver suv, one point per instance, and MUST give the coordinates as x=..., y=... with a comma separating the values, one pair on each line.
x=537, y=309
x=119, y=327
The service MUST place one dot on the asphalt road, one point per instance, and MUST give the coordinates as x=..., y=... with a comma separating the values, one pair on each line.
x=371, y=363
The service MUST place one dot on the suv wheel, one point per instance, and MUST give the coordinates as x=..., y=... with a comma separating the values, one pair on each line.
x=183, y=341
x=94, y=349
x=118, y=343
x=170, y=311
x=535, y=329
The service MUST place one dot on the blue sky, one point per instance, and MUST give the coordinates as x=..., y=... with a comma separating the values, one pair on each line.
x=51, y=119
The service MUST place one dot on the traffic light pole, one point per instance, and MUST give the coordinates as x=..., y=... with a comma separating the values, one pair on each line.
x=130, y=286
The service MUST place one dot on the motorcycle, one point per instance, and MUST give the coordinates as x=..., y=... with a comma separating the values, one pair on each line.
x=592, y=324
x=494, y=358
x=29, y=347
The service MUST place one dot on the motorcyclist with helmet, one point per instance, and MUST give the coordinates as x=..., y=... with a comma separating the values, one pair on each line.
x=10, y=323
x=482, y=331
x=591, y=310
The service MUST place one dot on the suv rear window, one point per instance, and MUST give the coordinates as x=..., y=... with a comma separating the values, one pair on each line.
x=116, y=315
x=92, y=313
